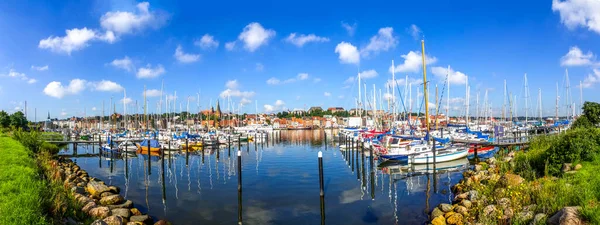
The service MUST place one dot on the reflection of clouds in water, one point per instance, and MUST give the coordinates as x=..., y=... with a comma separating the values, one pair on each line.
x=257, y=214
x=303, y=209
x=350, y=196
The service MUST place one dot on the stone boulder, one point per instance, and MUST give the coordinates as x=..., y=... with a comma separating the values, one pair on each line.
x=126, y=205
x=88, y=207
x=99, y=212
x=98, y=222
x=135, y=212
x=436, y=212
x=511, y=180
x=125, y=213
x=162, y=222
x=466, y=203
x=112, y=200
x=446, y=207
x=578, y=167
x=455, y=218
x=96, y=188
x=145, y=219
x=567, y=216
x=440, y=220
x=113, y=220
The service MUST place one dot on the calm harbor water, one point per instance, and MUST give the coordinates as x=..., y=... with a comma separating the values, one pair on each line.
x=280, y=184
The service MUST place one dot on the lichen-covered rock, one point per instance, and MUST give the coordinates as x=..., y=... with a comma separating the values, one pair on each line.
x=504, y=203
x=88, y=207
x=461, y=196
x=162, y=222
x=143, y=218
x=96, y=188
x=436, y=212
x=446, y=207
x=578, y=167
x=126, y=205
x=461, y=209
x=440, y=220
x=478, y=168
x=113, y=220
x=524, y=216
x=125, y=213
x=456, y=218
x=566, y=167
x=108, y=193
x=466, y=203
x=78, y=190
x=98, y=222
x=511, y=180
x=99, y=212
x=567, y=216
x=135, y=212
x=473, y=195
x=114, y=189
x=112, y=200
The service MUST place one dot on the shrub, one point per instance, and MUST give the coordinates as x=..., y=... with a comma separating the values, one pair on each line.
x=580, y=144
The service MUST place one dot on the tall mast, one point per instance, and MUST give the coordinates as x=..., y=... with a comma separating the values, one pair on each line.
x=425, y=84
x=437, y=107
x=125, y=108
x=557, y=97
x=580, y=98
x=393, y=92
x=526, y=98
x=405, y=90
x=467, y=101
x=145, y=110
x=477, y=106
x=540, y=103
x=448, y=95
x=359, y=97
x=504, y=104
x=567, y=94
x=374, y=106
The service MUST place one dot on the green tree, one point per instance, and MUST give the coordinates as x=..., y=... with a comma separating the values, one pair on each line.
x=4, y=119
x=591, y=110
x=18, y=120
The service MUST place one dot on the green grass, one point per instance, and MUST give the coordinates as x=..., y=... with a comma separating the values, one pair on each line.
x=21, y=187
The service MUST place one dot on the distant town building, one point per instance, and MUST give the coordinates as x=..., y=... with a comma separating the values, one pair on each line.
x=315, y=108
x=335, y=109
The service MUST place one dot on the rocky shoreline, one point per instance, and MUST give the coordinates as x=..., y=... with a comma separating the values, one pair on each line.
x=486, y=195
x=98, y=200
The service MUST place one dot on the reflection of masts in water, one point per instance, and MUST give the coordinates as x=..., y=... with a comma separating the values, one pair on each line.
x=164, y=189
x=176, y=187
x=126, y=177
x=189, y=179
x=210, y=173
x=199, y=175
x=395, y=203
x=428, y=195
x=146, y=183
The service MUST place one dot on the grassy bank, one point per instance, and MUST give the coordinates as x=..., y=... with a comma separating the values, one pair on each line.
x=31, y=191
x=21, y=187
x=555, y=172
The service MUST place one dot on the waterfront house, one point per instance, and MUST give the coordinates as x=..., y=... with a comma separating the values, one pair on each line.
x=335, y=109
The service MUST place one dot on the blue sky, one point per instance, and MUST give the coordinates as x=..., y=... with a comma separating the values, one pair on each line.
x=246, y=50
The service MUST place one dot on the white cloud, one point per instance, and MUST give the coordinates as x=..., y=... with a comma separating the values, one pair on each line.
x=183, y=57
x=326, y=94
x=300, y=40
x=299, y=77
x=130, y=22
x=302, y=76
x=317, y=80
x=124, y=63
x=415, y=31
x=579, y=13
x=57, y=90
x=254, y=36
x=107, y=85
x=75, y=39
x=403, y=81
x=152, y=93
x=367, y=74
x=279, y=103
x=412, y=62
x=14, y=74
x=575, y=57
x=349, y=28
x=207, y=42
x=273, y=81
x=387, y=96
x=39, y=68
x=383, y=41
x=349, y=80
x=455, y=77
x=149, y=72
x=232, y=84
x=94, y=109
x=348, y=53
x=260, y=67
x=236, y=93
x=126, y=101
x=230, y=46
x=591, y=79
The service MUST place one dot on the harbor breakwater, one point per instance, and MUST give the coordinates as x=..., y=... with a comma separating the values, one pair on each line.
x=490, y=194
x=98, y=200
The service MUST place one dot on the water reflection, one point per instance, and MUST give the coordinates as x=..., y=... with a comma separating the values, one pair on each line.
x=280, y=183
